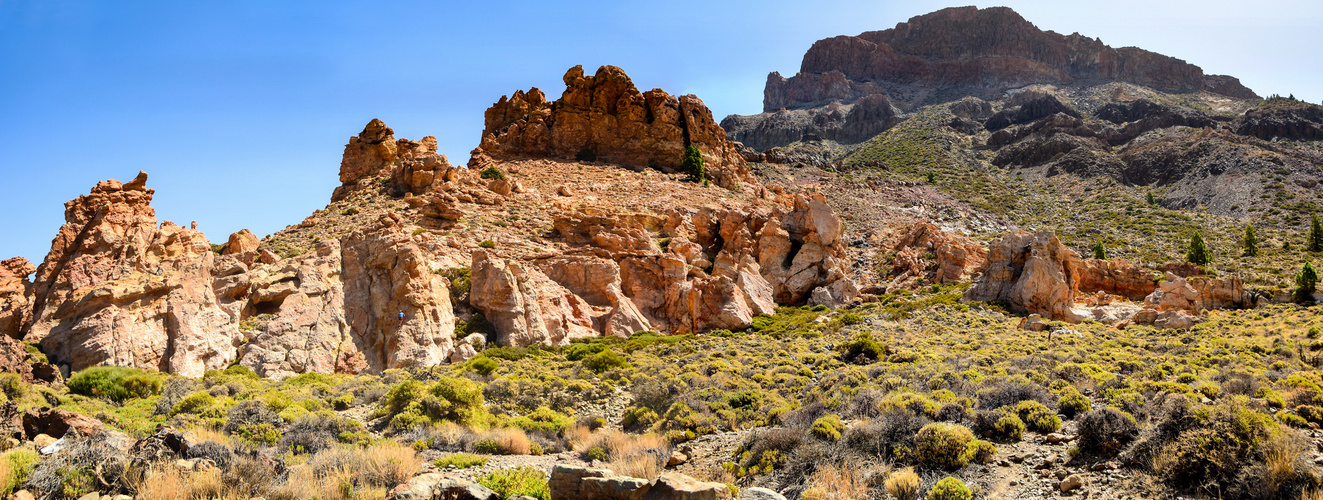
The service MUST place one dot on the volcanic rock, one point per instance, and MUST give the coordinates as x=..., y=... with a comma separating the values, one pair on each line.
x=956, y=257
x=1031, y=273
x=117, y=290
x=15, y=296
x=372, y=153
x=242, y=242
x=606, y=118
x=15, y=358
x=1116, y=277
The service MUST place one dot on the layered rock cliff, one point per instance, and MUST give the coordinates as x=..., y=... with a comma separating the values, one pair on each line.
x=411, y=246
x=604, y=117
x=944, y=56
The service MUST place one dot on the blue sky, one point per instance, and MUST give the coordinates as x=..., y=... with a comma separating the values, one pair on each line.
x=240, y=110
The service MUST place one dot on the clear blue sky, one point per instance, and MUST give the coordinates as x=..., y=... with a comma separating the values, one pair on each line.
x=239, y=110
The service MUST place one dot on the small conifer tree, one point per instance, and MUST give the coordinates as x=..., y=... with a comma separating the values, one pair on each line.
x=1305, y=284
x=1198, y=252
x=1315, y=241
x=693, y=164
x=1099, y=252
x=1250, y=241
x=1151, y=200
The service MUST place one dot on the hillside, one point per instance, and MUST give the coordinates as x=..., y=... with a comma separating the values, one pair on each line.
x=959, y=261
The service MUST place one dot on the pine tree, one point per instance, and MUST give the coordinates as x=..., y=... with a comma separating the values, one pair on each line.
x=1250, y=241
x=1315, y=241
x=1099, y=252
x=1198, y=252
x=693, y=164
x=1305, y=284
x=1151, y=200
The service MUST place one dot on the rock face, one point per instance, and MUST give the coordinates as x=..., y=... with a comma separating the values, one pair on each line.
x=1116, y=277
x=965, y=51
x=375, y=152
x=337, y=309
x=928, y=252
x=605, y=117
x=992, y=48
x=1031, y=273
x=581, y=483
x=719, y=270
x=15, y=358
x=15, y=301
x=116, y=289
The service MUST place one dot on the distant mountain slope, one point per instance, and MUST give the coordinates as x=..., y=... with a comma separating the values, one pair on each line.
x=941, y=57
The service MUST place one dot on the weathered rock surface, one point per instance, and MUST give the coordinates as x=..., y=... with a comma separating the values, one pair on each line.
x=15, y=296
x=116, y=289
x=953, y=257
x=1116, y=277
x=606, y=116
x=845, y=123
x=57, y=422
x=1030, y=273
x=993, y=49
x=15, y=358
x=439, y=486
x=581, y=483
x=242, y=242
x=375, y=151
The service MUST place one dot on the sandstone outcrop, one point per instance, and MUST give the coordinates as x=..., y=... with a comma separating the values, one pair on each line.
x=15, y=358
x=242, y=242
x=1031, y=273
x=581, y=483
x=15, y=300
x=605, y=117
x=116, y=289
x=955, y=257
x=336, y=309
x=1115, y=277
x=375, y=152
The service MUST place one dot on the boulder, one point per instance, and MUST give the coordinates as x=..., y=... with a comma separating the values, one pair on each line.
x=760, y=494
x=117, y=290
x=956, y=257
x=674, y=486
x=438, y=486
x=57, y=422
x=1031, y=273
x=605, y=117
x=242, y=242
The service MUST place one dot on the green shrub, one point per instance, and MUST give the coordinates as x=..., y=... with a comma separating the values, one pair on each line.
x=639, y=417
x=116, y=383
x=1073, y=403
x=488, y=446
x=828, y=427
x=198, y=403
x=11, y=384
x=692, y=165
x=950, y=488
x=1311, y=413
x=412, y=403
x=21, y=462
x=1038, y=417
x=863, y=350
x=1198, y=253
x=261, y=433
x=595, y=453
x=982, y=451
x=579, y=350
x=460, y=460
x=487, y=244
x=943, y=445
x=605, y=360
x=493, y=173
x=483, y=365
x=1010, y=427
x=543, y=419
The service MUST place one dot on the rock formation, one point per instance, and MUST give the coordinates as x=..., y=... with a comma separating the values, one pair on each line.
x=375, y=152
x=15, y=303
x=605, y=117
x=992, y=48
x=954, y=258
x=582, y=483
x=1115, y=277
x=964, y=51
x=1030, y=273
x=15, y=358
x=116, y=289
